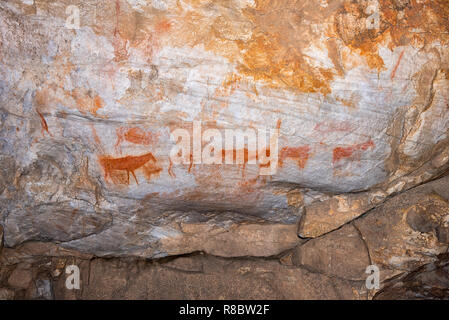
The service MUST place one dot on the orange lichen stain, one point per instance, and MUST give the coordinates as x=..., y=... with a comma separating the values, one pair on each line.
x=290, y=70
x=340, y=153
x=234, y=81
x=393, y=73
x=267, y=41
x=373, y=59
x=270, y=40
x=129, y=164
x=299, y=154
x=356, y=35
x=275, y=53
x=425, y=18
x=401, y=23
x=230, y=84
x=43, y=124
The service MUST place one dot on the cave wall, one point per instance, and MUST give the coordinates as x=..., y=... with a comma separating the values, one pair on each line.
x=356, y=91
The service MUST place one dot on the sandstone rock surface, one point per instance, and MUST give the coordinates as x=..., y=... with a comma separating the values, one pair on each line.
x=92, y=93
x=190, y=277
x=430, y=281
x=1, y=238
x=401, y=237
x=20, y=278
x=341, y=253
x=408, y=230
x=87, y=113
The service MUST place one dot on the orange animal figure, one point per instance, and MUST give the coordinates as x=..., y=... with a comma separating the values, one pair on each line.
x=300, y=154
x=128, y=164
x=134, y=135
x=340, y=153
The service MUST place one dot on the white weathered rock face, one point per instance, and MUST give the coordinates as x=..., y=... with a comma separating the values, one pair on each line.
x=86, y=116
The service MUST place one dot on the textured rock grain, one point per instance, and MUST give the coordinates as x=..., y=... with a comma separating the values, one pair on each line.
x=86, y=116
x=408, y=230
x=341, y=253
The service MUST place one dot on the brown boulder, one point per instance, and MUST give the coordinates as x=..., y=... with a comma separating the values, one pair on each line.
x=430, y=281
x=341, y=253
x=20, y=278
x=1, y=238
x=207, y=277
x=407, y=231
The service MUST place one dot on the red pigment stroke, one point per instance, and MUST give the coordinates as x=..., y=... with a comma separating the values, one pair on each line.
x=340, y=153
x=43, y=123
x=393, y=73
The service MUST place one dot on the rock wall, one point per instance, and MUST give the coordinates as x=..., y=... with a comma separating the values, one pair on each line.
x=405, y=238
x=357, y=92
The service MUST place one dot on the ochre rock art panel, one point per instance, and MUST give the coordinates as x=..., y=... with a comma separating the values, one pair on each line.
x=359, y=103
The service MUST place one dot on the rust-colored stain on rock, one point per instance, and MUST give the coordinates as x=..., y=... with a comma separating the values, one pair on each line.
x=401, y=23
x=269, y=41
